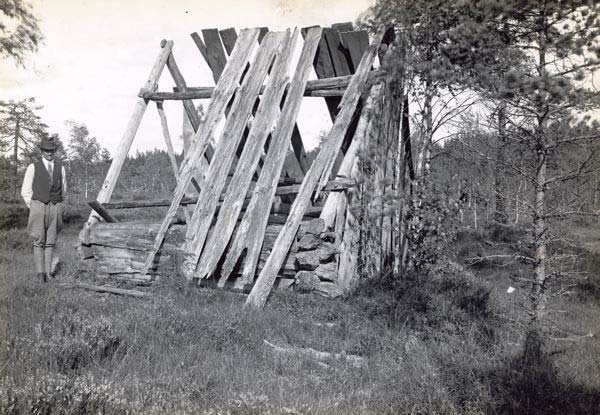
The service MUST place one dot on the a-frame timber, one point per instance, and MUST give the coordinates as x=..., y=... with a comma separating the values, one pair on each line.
x=264, y=216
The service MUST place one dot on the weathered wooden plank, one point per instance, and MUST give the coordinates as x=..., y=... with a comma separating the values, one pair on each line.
x=336, y=201
x=225, y=89
x=179, y=80
x=201, y=46
x=167, y=136
x=216, y=58
x=264, y=122
x=250, y=232
x=337, y=51
x=107, y=289
x=125, y=144
x=313, y=179
x=315, y=87
x=100, y=210
x=343, y=27
x=356, y=43
x=225, y=152
x=229, y=36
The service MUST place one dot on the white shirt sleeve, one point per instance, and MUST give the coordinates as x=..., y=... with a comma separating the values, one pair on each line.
x=64, y=184
x=27, y=188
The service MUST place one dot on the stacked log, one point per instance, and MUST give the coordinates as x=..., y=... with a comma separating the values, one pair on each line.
x=120, y=250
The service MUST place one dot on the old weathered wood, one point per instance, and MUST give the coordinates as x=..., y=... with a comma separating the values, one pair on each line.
x=170, y=151
x=121, y=248
x=315, y=178
x=356, y=43
x=100, y=210
x=264, y=122
x=337, y=201
x=315, y=87
x=107, y=289
x=250, y=232
x=332, y=185
x=356, y=361
x=216, y=55
x=123, y=148
x=225, y=89
x=229, y=36
x=201, y=47
x=226, y=150
x=337, y=52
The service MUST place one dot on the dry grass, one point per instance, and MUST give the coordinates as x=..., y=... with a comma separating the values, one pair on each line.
x=439, y=346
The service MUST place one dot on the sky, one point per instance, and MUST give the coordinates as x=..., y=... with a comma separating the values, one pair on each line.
x=97, y=54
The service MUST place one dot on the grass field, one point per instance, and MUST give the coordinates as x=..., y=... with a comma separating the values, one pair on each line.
x=448, y=344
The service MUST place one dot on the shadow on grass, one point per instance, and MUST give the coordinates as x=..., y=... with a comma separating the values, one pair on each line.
x=531, y=384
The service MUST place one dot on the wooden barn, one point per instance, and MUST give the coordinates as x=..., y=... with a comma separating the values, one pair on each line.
x=247, y=214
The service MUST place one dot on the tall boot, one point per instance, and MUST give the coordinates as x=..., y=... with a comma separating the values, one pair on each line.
x=48, y=261
x=38, y=260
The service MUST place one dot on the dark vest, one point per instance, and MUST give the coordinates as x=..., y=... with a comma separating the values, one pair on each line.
x=42, y=191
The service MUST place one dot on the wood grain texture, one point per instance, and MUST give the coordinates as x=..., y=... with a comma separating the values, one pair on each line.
x=263, y=124
x=241, y=110
x=249, y=234
x=314, y=179
x=223, y=92
x=216, y=58
x=122, y=150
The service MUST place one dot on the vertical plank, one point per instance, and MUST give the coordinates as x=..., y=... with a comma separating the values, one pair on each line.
x=337, y=199
x=221, y=96
x=120, y=155
x=233, y=130
x=264, y=122
x=228, y=36
x=356, y=43
x=313, y=180
x=216, y=55
x=250, y=232
x=337, y=51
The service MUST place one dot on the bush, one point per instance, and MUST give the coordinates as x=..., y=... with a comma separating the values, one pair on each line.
x=13, y=215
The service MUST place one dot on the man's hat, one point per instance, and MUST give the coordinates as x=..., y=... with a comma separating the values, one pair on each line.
x=48, y=144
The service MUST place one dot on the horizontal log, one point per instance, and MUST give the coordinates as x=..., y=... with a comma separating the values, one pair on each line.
x=101, y=210
x=108, y=289
x=120, y=249
x=289, y=189
x=326, y=87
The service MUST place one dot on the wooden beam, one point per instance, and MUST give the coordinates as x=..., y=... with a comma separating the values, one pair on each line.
x=170, y=151
x=337, y=201
x=335, y=86
x=233, y=130
x=314, y=179
x=356, y=43
x=229, y=36
x=264, y=122
x=120, y=155
x=100, y=210
x=289, y=189
x=223, y=93
x=250, y=232
x=216, y=58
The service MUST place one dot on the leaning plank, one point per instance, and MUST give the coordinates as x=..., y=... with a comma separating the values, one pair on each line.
x=336, y=201
x=263, y=124
x=250, y=232
x=107, y=289
x=170, y=151
x=225, y=152
x=216, y=55
x=337, y=52
x=132, y=126
x=356, y=361
x=314, y=178
x=225, y=89
x=100, y=210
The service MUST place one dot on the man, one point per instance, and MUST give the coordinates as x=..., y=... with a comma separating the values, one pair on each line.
x=44, y=190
